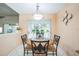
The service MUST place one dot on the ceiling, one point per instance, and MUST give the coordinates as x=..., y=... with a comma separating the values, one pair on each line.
x=5, y=10
x=30, y=8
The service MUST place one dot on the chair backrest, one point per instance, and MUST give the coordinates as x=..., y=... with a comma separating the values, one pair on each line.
x=24, y=38
x=39, y=45
x=56, y=39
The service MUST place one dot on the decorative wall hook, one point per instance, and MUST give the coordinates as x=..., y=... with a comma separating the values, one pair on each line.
x=67, y=17
x=70, y=16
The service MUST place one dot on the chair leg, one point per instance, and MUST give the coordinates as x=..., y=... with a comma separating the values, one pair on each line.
x=33, y=53
x=24, y=52
x=27, y=52
x=53, y=53
x=56, y=53
x=46, y=53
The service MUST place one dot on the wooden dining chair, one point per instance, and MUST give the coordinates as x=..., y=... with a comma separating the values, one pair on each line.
x=26, y=46
x=54, y=44
x=39, y=47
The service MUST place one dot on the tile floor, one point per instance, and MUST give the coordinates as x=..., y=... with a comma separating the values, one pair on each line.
x=19, y=52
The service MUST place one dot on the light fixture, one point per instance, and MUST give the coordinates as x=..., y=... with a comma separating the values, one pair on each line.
x=37, y=15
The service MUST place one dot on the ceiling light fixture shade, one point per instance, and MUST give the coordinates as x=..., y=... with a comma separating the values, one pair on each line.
x=37, y=15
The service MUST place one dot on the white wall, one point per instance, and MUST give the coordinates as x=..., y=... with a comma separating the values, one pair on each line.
x=8, y=42
x=70, y=33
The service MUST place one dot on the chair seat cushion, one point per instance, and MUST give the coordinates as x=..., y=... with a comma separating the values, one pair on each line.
x=29, y=44
x=51, y=48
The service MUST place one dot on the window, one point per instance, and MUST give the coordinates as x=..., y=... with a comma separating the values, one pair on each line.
x=39, y=28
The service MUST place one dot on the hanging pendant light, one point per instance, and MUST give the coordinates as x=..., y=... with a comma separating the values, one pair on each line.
x=37, y=15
